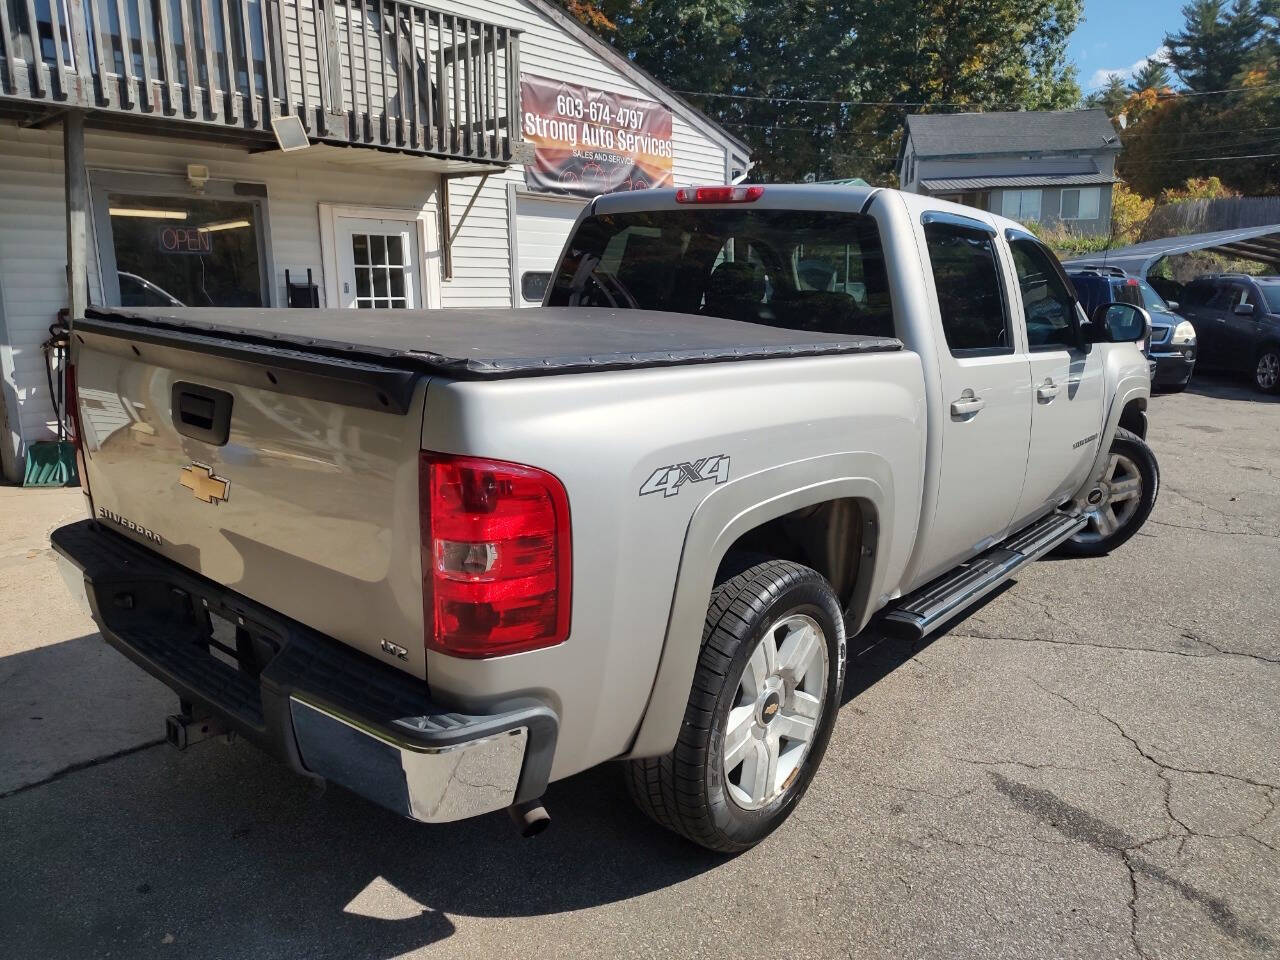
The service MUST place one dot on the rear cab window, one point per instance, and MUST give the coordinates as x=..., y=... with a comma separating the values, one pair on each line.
x=822, y=271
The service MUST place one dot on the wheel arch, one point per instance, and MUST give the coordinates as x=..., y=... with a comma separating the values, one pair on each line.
x=1134, y=417
x=771, y=507
x=1128, y=409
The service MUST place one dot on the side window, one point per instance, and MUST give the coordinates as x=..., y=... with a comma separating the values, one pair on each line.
x=1048, y=305
x=966, y=275
x=1221, y=298
x=1239, y=295
x=1197, y=294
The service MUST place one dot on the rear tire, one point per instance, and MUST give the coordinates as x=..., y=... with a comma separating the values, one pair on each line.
x=1266, y=370
x=1127, y=493
x=765, y=695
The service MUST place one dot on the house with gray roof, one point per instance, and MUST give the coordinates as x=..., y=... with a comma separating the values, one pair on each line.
x=1053, y=166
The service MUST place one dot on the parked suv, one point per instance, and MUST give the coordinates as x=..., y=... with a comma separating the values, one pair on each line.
x=1173, y=344
x=1237, y=321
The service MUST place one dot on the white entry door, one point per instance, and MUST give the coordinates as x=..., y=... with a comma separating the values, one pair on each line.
x=542, y=226
x=379, y=263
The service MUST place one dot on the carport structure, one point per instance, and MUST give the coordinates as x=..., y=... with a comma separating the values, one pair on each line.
x=1260, y=244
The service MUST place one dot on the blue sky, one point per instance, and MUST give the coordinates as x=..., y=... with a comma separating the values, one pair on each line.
x=1117, y=35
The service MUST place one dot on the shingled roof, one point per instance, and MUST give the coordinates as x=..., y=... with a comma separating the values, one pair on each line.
x=1022, y=131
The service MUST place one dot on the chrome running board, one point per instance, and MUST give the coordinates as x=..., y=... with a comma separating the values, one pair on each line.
x=922, y=611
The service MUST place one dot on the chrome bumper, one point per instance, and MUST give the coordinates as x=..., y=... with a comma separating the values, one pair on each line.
x=323, y=708
x=430, y=784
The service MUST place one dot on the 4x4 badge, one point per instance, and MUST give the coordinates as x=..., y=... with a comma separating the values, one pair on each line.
x=668, y=480
x=207, y=486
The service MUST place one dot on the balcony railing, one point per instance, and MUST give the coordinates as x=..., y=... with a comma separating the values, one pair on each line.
x=386, y=73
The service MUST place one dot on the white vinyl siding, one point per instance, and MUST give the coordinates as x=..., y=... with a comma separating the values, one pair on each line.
x=32, y=212
x=33, y=237
x=481, y=259
x=1022, y=205
x=1080, y=203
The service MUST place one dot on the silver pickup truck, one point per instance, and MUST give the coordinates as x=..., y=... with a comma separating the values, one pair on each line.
x=443, y=558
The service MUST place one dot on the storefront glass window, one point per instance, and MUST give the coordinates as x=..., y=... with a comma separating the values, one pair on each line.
x=195, y=252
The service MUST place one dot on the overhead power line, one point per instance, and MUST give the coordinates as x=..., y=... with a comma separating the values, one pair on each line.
x=975, y=108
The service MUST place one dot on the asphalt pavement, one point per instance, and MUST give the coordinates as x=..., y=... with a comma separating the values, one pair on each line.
x=1086, y=766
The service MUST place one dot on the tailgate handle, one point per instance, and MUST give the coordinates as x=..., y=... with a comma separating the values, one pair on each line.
x=202, y=413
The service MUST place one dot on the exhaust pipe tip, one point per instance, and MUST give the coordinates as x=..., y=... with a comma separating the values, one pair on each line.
x=530, y=817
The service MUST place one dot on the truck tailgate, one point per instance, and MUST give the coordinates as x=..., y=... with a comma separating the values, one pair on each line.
x=309, y=507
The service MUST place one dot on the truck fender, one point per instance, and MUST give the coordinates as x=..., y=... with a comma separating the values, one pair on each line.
x=1129, y=388
x=716, y=524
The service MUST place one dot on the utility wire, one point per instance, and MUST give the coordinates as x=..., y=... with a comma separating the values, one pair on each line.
x=972, y=107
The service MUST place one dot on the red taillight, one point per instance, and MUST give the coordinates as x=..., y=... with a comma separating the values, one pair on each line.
x=726, y=194
x=496, y=556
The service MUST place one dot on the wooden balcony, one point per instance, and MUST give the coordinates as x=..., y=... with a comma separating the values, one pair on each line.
x=390, y=74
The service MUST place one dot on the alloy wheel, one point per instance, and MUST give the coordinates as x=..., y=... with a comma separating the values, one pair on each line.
x=776, y=712
x=1268, y=371
x=1113, y=501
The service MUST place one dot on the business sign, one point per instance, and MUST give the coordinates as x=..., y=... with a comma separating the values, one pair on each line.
x=588, y=142
x=185, y=240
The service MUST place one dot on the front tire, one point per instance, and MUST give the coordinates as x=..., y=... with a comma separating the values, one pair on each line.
x=764, y=701
x=1120, y=500
x=1266, y=370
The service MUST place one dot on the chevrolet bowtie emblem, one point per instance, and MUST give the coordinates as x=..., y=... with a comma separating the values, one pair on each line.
x=199, y=478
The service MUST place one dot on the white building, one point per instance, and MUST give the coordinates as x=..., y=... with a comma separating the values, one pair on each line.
x=411, y=193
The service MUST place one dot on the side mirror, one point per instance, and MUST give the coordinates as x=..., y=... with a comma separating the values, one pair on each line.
x=1173, y=304
x=1244, y=309
x=1118, y=323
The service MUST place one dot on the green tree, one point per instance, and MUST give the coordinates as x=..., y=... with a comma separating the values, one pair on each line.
x=1111, y=97
x=1152, y=75
x=1216, y=43
x=770, y=71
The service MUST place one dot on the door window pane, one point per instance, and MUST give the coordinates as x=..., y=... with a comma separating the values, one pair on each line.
x=381, y=263
x=1021, y=204
x=966, y=275
x=197, y=252
x=1048, y=305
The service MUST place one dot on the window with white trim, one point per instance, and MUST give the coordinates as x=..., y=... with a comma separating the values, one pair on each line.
x=1021, y=205
x=1080, y=203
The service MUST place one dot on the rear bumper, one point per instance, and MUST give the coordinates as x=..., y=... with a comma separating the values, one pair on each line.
x=324, y=709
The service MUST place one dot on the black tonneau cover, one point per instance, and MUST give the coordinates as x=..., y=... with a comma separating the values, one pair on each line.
x=474, y=344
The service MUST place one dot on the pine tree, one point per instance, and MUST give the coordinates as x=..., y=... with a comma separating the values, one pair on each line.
x=1215, y=44
x=1152, y=75
x=1111, y=97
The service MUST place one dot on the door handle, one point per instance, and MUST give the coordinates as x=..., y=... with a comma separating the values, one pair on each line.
x=1046, y=391
x=967, y=405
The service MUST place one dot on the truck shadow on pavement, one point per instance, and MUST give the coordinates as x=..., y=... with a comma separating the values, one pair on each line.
x=221, y=851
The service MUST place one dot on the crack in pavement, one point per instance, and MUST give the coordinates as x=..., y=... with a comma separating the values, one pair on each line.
x=82, y=765
x=970, y=635
x=1082, y=826
x=1202, y=529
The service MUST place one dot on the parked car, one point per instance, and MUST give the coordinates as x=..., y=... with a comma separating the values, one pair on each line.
x=444, y=557
x=1237, y=321
x=1172, y=345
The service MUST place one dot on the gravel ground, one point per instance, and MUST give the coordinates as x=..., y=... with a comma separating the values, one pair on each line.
x=1086, y=766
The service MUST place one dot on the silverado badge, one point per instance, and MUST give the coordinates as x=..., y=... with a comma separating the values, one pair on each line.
x=207, y=486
